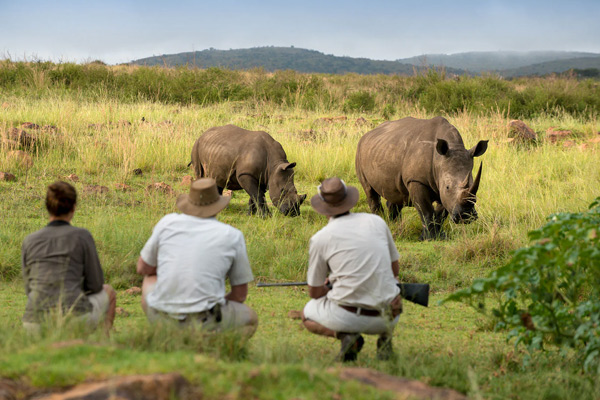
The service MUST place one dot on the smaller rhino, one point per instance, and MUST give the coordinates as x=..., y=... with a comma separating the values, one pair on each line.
x=250, y=160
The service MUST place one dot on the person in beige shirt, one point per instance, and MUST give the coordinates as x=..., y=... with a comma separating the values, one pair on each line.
x=353, y=265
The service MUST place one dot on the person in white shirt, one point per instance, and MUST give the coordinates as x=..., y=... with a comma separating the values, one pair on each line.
x=353, y=265
x=187, y=260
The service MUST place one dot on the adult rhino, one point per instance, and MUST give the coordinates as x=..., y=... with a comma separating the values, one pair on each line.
x=250, y=160
x=418, y=162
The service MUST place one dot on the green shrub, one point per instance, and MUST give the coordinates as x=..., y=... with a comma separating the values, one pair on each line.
x=361, y=101
x=549, y=292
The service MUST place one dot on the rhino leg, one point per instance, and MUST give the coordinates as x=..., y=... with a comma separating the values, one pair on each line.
x=394, y=210
x=374, y=200
x=256, y=193
x=421, y=198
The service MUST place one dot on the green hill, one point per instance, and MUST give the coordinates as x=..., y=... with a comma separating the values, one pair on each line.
x=495, y=60
x=556, y=66
x=281, y=58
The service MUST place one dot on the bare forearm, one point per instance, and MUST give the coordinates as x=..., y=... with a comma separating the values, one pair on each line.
x=395, y=268
x=316, y=292
x=238, y=293
x=144, y=268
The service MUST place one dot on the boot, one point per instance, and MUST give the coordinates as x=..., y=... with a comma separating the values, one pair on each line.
x=352, y=343
x=385, y=350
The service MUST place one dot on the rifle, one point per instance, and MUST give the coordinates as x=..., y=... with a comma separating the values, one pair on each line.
x=417, y=293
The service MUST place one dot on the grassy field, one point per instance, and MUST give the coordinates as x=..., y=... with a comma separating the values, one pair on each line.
x=449, y=346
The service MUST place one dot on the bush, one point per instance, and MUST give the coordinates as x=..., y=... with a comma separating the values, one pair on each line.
x=549, y=292
x=361, y=101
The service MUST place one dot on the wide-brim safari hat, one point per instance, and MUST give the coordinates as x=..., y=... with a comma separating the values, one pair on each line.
x=334, y=197
x=203, y=200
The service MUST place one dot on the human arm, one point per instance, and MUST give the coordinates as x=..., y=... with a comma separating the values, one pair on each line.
x=395, y=268
x=93, y=277
x=143, y=268
x=316, y=292
x=318, y=269
x=238, y=293
x=25, y=268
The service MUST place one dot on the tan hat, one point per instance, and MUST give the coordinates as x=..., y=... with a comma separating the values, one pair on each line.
x=334, y=197
x=204, y=200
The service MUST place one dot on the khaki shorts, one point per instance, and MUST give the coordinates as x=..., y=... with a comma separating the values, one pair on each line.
x=100, y=303
x=327, y=313
x=233, y=315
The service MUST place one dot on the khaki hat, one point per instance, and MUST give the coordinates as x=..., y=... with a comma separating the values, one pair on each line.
x=334, y=197
x=203, y=200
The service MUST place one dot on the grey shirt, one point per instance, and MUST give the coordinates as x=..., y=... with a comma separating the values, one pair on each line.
x=60, y=266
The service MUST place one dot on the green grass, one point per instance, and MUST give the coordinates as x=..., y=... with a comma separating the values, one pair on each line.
x=448, y=346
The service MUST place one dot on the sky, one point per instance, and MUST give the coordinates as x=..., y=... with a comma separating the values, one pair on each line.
x=117, y=31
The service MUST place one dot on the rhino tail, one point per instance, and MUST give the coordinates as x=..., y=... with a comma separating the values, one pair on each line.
x=190, y=163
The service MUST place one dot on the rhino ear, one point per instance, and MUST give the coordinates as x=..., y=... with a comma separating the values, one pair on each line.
x=442, y=147
x=288, y=166
x=479, y=148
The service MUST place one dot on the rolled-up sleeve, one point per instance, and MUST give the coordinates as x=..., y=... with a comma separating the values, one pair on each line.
x=240, y=271
x=93, y=277
x=150, y=251
x=318, y=269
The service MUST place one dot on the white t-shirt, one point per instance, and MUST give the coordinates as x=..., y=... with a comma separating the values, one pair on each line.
x=193, y=257
x=356, y=252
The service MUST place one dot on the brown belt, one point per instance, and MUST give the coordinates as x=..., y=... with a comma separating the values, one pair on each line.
x=361, y=311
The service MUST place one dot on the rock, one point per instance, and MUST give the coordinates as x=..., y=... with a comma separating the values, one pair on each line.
x=149, y=387
x=308, y=134
x=360, y=121
x=73, y=177
x=187, y=180
x=29, y=125
x=160, y=187
x=7, y=177
x=404, y=388
x=137, y=171
x=554, y=136
x=295, y=314
x=22, y=137
x=95, y=189
x=21, y=158
x=122, y=187
x=134, y=290
x=519, y=131
x=121, y=311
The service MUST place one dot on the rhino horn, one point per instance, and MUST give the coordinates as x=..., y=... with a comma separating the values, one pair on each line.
x=475, y=187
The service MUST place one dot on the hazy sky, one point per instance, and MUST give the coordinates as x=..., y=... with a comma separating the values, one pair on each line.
x=122, y=30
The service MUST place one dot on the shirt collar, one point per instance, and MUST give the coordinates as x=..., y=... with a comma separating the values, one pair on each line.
x=58, y=222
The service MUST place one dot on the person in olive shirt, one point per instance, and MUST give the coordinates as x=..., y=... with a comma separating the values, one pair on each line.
x=61, y=269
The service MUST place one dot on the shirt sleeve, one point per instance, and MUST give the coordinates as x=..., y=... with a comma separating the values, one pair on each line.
x=240, y=271
x=93, y=277
x=394, y=255
x=318, y=269
x=150, y=251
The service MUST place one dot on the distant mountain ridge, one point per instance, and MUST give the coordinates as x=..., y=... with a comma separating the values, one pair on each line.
x=504, y=63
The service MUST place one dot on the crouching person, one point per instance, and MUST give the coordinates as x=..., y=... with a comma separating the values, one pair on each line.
x=186, y=261
x=61, y=269
x=353, y=264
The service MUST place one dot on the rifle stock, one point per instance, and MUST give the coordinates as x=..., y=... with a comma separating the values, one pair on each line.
x=417, y=293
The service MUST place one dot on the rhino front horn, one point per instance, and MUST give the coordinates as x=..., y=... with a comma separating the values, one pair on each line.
x=475, y=187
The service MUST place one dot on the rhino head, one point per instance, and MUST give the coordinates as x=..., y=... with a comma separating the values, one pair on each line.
x=282, y=191
x=456, y=185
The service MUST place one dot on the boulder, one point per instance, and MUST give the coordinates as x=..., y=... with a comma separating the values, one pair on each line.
x=187, y=180
x=134, y=290
x=29, y=125
x=137, y=171
x=520, y=132
x=95, y=189
x=404, y=388
x=7, y=177
x=160, y=187
x=72, y=178
x=21, y=158
x=554, y=136
x=22, y=137
x=135, y=387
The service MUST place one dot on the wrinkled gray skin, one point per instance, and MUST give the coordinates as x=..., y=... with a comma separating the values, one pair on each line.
x=253, y=161
x=419, y=162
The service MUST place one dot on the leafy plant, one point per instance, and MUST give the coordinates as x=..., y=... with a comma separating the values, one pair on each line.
x=549, y=292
